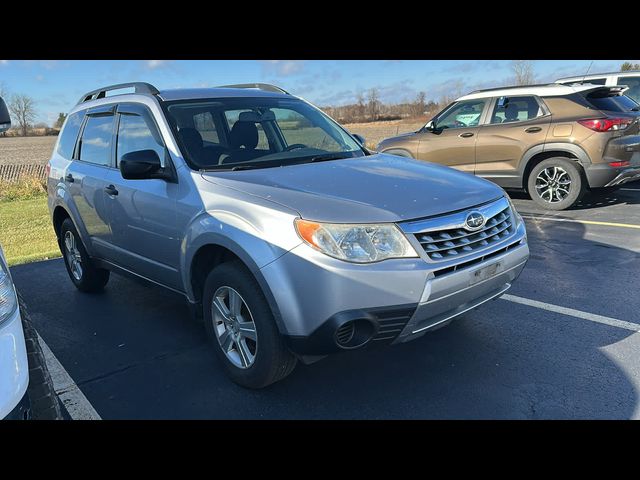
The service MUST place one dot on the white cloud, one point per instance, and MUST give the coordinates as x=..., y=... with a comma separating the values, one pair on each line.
x=153, y=64
x=283, y=68
x=4, y=62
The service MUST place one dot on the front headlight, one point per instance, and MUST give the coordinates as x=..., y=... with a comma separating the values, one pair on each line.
x=8, y=300
x=365, y=243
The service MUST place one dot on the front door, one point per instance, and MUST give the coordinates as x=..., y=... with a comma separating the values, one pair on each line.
x=451, y=140
x=143, y=212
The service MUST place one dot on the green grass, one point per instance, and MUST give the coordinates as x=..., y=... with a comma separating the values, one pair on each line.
x=26, y=233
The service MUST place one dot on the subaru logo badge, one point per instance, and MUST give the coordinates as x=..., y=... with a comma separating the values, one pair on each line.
x=474, y=221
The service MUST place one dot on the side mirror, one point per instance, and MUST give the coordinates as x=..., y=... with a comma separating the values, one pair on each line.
x=361, y=140
x=5, y=118
x=140, y=165
x=430, y=126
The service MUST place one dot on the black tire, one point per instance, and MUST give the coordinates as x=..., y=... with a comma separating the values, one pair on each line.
x=576, y=189
x=42, y=396
x=273, y=360
x=92, y=279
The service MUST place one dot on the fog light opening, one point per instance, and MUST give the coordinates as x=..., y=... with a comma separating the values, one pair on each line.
x=354, y=333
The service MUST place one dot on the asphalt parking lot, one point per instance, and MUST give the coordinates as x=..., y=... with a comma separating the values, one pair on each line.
x=563, y=344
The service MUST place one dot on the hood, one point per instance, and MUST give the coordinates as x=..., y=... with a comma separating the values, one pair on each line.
x=376, y=188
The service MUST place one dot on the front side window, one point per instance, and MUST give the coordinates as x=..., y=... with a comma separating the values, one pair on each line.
x=515, y=109
x=95, y=145
x=462, y=114
x=258, y=132
x=69, y=135
x=137, y=132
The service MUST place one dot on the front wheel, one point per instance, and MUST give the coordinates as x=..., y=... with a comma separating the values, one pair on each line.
x=242, y=328
x=556, y=184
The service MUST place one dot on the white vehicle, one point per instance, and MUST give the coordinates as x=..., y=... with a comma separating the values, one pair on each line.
x=629, y=78
x=26, y=390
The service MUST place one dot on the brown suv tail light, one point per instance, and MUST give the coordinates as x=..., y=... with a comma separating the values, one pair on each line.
x=606, y=124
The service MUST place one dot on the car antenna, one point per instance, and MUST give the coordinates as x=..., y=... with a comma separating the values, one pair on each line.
x=585, y=75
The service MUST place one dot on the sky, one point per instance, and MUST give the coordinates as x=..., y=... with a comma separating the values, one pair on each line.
x=56, y=85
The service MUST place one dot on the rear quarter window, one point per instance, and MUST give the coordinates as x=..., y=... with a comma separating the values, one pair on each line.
x=69, y=135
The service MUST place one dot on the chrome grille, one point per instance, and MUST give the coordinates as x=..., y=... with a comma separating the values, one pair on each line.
x=445, y=244
x=453, y=240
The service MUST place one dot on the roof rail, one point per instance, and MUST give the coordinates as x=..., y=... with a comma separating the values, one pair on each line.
x=512, y=86
x=140, y=87
x=260, y=86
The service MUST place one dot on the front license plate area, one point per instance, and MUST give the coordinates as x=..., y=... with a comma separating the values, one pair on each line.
x=485, y=272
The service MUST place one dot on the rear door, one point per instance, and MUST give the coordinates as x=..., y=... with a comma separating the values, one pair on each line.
x=86, y=177
x=143, y=212
x=453, y=140
x=514, y=125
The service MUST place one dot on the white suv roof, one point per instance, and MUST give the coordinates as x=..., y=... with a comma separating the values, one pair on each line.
x=548, y=90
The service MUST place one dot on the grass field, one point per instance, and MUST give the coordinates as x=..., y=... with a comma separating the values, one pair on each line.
x=26, y=234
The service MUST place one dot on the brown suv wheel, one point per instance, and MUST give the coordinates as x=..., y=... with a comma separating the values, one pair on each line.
x=556, y=183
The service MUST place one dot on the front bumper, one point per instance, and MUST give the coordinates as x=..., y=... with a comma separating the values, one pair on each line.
x=14, y=368
x=403, y=298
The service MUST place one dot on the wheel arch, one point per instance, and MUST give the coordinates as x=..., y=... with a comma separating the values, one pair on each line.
x=539, y=153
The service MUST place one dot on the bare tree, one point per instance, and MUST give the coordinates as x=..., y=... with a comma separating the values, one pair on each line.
x=4, y=91
x=523, y=71
x=626, y=66
x=22, y=107
x=420, y=104
x=60, y=121
x=373, y=104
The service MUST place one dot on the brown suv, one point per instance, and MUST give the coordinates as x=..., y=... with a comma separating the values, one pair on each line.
x=555, y=141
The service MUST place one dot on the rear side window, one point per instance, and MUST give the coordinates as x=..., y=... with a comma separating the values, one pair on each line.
x=69, y=135
x=516, y=109
x=611, y=103
x=95, y=145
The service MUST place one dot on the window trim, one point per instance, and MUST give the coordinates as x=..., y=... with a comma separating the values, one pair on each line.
x=494, y=103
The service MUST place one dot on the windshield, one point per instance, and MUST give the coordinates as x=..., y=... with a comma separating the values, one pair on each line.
x=243, y=133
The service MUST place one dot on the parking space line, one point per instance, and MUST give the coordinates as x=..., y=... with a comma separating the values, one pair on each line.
x=586, y=222
x=72, y=398
x=592, y=317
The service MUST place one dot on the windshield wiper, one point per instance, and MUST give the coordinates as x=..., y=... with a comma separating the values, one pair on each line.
x=243, y=167
x=326, y=158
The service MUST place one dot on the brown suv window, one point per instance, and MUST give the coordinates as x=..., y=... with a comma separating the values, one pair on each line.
x=462, y=114
x=515, y=109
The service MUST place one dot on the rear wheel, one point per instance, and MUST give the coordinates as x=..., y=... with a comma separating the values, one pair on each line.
x=556, y=184
x=83, y=273
x=242, y=329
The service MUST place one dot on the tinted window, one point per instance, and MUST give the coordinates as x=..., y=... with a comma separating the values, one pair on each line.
x=614, y=103
x=597, y=81
x=69, y=135
x=462, y=114
x=137, y=132
x=634, y=87
x=515, y=109
x=95, y=145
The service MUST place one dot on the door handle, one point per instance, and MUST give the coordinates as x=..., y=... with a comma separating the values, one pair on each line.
x=69, y=178
x=111, y=190
x=466, y=135
x=533, y=130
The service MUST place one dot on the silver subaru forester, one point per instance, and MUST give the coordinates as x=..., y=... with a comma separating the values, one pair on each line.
x=287, y=237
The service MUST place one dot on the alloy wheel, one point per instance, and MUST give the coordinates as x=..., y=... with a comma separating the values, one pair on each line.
x=234, y=327
x=72, y=255
x=553, y=184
